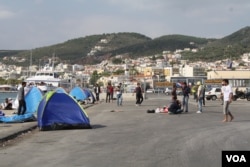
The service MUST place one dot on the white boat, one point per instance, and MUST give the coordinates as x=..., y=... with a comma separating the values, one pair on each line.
x=50, y=78
x=47, y=79
x=7, y=88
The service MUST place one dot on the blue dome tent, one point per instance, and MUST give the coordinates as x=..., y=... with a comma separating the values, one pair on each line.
x=60, y=90
x=78, y=94
x=61, y=111
x=89, y=94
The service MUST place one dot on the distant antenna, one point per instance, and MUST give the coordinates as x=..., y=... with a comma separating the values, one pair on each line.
x=30, y=62
x=53, y=57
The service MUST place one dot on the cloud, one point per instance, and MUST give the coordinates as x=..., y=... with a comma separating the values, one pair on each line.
x=45, y=22
x=5, y=14
x=141, y=5
x=39, y=1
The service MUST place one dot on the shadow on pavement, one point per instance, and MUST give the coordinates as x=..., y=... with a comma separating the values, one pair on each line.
x=97, y=126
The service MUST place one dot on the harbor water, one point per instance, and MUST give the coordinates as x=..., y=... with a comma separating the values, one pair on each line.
x=4, y=95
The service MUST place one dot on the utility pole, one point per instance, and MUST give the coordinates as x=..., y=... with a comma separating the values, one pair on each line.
x=145, y=96
x=30, y=63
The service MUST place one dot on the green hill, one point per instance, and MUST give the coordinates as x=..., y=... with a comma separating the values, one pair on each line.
x=95, y=48
x=231, y=46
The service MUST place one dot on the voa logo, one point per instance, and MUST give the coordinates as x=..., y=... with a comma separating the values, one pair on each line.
x=236, y=158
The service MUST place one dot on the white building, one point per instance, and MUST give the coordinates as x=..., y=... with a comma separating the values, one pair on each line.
x=189, y=71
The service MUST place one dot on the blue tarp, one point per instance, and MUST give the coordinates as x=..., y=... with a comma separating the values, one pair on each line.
x=32, y=99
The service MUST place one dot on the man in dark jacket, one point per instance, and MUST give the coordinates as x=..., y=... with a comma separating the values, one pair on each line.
x=186, y=91
x=97, y=91
x=138, y=93
x=21, y=100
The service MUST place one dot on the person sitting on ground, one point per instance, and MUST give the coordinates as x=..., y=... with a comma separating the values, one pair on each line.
x=7, y=105
x=175, y=106
x=2, y=113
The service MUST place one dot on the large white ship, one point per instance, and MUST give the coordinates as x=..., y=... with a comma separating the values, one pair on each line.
x=47, y=79
x=7, y=89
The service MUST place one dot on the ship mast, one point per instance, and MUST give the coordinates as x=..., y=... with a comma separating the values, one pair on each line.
x=29, y=69
x=53, y=63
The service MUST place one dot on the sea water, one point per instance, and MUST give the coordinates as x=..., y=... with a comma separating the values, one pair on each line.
x=4, y=95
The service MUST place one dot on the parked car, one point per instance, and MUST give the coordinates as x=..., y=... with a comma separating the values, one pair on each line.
x=239, y=94
x=168, y=91
x=247, y=94
x=150, y=91
x=156, y=90
x=213, y=93
x=179, y=92
x=159, y=90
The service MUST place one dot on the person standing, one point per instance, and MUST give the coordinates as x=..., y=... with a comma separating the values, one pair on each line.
x=194, y=92
x=221, y=93
x=228, y=98
x=21, y=100
x=138, y=94
x=200, y=94
x=204, y=91
x=97, y=91
x=108, y=92
x=119, y=95
x=186, y=91
x=174, y=89
x=112, y=93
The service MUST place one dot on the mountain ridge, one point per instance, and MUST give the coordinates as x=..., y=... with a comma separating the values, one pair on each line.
x=136, y=45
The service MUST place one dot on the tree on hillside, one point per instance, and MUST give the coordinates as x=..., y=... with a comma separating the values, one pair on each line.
x=94, y=77
x=153, y=58
x=119, y=72
x=117, y=61
x=106, y=74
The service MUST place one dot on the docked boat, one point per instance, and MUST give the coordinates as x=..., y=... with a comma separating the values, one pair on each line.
x=7, y=88
x=48, y=79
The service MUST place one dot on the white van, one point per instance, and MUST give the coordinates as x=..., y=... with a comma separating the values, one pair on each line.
x=168, y=91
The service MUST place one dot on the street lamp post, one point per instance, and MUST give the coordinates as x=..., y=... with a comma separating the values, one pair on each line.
x=145, y=93
x=158, y=77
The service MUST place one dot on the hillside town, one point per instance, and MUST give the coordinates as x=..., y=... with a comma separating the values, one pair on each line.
x=157, y=71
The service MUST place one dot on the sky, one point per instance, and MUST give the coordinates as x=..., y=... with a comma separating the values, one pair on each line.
x=29, y=24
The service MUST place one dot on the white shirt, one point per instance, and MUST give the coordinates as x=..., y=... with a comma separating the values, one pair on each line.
x=226, y=92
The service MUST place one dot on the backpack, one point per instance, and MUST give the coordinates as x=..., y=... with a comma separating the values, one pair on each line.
x=2, y=113
x=202, y=91
x=186, y=91
x=108, y=89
